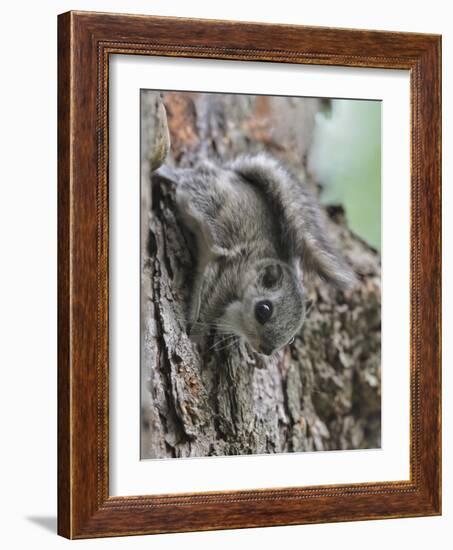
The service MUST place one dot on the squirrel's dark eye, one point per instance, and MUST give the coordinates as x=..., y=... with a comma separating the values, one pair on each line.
x=263, y=311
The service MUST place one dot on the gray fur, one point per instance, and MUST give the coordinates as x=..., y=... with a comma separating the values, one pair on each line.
x=302, y=234
x=257, y=229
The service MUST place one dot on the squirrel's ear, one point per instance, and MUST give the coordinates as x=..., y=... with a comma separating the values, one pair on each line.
x=303, y=234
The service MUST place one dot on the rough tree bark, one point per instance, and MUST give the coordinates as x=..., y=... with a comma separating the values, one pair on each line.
x=320, y=393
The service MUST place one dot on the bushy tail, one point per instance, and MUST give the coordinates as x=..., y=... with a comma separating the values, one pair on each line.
x=302, y=231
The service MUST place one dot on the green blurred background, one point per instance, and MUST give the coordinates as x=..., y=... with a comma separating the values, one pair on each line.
x=346, y=158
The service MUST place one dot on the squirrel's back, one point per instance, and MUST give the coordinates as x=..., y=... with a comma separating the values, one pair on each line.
x=237, y=212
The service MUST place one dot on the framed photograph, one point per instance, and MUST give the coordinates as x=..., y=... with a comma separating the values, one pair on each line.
x=249, y=275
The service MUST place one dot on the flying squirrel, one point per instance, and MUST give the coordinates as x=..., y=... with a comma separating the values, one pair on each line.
x=258, y=230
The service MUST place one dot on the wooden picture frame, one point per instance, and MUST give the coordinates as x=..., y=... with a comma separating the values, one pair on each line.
x=85, y=42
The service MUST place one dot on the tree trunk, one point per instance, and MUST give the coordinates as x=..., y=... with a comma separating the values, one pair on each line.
x=320, y=393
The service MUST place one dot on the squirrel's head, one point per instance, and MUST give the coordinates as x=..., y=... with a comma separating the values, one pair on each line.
x=271, y=306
